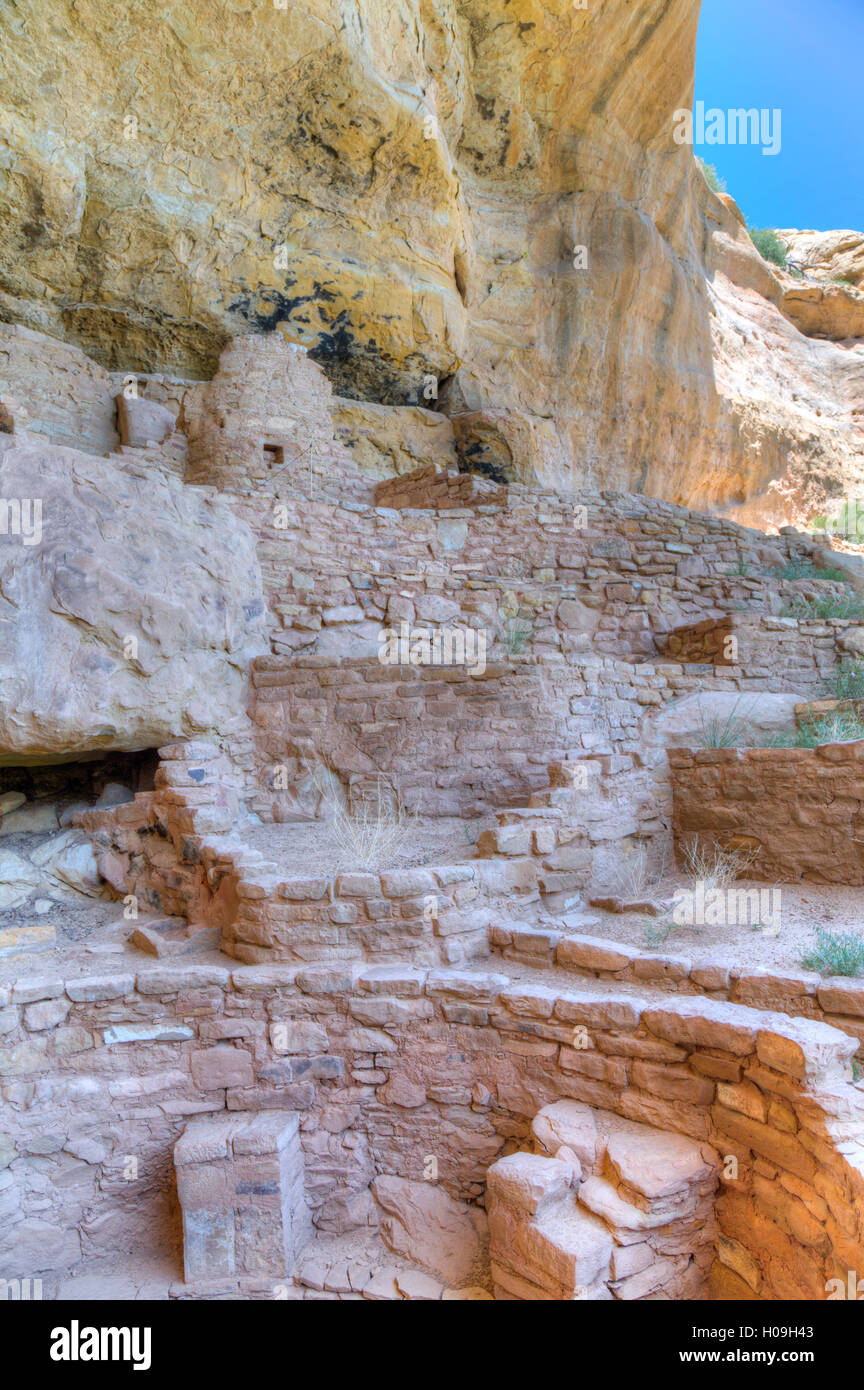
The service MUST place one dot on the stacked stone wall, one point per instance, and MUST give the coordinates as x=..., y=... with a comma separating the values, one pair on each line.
x=797, y=812
x=835, y=1000
x=389, y=1066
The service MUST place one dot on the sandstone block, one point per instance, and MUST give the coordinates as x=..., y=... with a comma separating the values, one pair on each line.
x=241, y=1188
x=425, y=1225
x=221, y=1066
x=528, y=1182
x=592, y=953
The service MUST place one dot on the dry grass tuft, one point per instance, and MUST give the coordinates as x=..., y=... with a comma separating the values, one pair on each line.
x=714, y=866
x=640, y=875
x=373, y=830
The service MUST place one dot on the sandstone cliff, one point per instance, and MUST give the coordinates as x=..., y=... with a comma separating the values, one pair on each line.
x=834, y=256
x=403, y=188
x=130, y=606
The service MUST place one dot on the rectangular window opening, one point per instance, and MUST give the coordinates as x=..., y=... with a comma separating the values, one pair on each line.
x=274, y=455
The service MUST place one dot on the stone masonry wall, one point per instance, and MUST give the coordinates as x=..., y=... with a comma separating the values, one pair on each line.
x=604, y=572
x=58, y=393
x=438, y=489
x=838, y=1001
x=602, y=1208
x=799, y=811
x=629, y=568
x=386, y=1066
x=429, y=730
x=179, y=851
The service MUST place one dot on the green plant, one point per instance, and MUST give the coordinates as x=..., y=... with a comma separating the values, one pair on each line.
x=836, y=953
x=806, y=569
x=769, y=245
x=847, y=683
x=787, y=739
x=729, y=731
x=741, y=568
x=654, y=934
x=514, y=635
x=842, y=726
x=711, y=177
x=715, y=866
x=472, y=839
x=824, y=606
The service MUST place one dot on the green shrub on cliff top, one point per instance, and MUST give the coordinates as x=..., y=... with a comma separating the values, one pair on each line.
x=769, y=245
x=712, y=178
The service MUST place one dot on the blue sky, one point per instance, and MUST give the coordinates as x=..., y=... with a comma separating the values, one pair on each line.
x=807, y=58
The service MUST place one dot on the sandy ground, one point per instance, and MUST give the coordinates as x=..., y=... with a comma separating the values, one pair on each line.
x=73, y=919
x=797, y=909
x=92, y=932
x=311, y=849
x=155, y=1278
x=91, y=938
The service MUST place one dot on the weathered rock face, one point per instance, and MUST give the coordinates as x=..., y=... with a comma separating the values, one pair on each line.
x=425, y=1224
x=828, y=255
x=404, y=190
x=835, y=312
x=390, y=439
x=782, y=433
x=130, y=606
x=829, y=301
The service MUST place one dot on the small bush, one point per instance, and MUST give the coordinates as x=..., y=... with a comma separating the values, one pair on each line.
x=374, y=831
x=514, y=635
x=825, y=606
x=843, y=726
x=733, y=731
x=711, y=177
x=714, y=866
x=847, y=683
x=769, y=245
x=656, y=934
x=639, y=874
x=840, y=727
x=806, y=569
x=836, y=953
